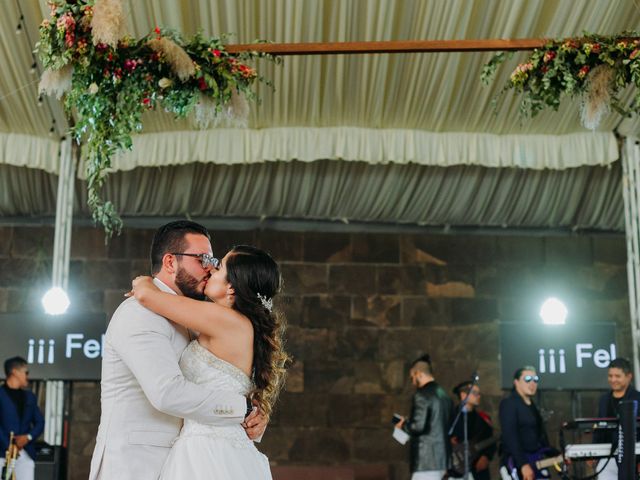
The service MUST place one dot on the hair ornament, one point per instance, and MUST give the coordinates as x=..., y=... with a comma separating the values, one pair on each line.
x=266, y=302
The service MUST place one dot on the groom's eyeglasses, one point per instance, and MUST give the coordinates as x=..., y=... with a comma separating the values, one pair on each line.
x=206, y=259
x=531, y=378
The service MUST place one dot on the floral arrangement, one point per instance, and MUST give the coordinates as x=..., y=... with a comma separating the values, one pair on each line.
x=110, y=79
x=595, y=67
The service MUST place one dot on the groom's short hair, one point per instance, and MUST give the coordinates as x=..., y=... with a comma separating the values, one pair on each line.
x=169, y=238
x=13, y=363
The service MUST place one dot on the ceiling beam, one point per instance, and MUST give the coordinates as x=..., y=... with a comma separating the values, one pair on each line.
x=393, y=46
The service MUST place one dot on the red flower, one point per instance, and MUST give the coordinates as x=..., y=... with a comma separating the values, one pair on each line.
x=110, y=57
x=216, y=53
x=548, y=56
x=157, y=30
x=101, y=46
x=634, y=54
x=544, y=69
x=202, y=84
x=583, y=71
x=146, y=101
x=596, y=48
x=130, y=64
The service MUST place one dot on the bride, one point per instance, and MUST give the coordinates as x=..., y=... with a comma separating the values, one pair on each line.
x=239, y=348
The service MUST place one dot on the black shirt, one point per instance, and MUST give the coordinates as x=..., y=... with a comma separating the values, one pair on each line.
x=18, y=397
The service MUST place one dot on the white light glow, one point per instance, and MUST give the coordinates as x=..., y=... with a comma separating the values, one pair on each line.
x=553, y=312
x=55, y=301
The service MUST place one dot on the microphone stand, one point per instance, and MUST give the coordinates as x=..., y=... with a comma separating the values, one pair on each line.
x=462, y=409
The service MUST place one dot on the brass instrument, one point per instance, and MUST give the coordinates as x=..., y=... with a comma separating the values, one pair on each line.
x=10, y=459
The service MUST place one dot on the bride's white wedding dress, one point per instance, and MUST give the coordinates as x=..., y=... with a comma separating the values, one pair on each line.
x=207, y=452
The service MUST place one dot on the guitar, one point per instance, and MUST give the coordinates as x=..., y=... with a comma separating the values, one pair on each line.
x=457, y=454
x=539, y=461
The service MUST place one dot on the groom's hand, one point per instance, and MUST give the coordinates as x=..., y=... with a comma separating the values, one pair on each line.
x=255, y=424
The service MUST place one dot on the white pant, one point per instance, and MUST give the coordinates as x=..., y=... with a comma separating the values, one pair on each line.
x=427, y=475
x=25, y=466
x=610, y=472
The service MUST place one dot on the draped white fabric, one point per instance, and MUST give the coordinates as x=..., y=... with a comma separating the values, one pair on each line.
x=29, y=151
x=234, y=146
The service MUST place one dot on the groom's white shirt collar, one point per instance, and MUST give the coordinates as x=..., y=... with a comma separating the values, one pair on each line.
x=163, y=286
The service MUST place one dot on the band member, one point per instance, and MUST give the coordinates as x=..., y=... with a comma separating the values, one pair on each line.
x=428, y=423
x=523, y=433
x=479, y=433
x=619, y=376
x=19, y=413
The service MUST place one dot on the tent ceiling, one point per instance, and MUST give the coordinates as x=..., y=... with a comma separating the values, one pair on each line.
x=434, y=93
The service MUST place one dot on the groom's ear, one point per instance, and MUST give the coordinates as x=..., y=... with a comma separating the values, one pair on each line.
x=169, y=263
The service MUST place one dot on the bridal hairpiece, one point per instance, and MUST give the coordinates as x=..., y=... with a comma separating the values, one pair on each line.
x=266, y=302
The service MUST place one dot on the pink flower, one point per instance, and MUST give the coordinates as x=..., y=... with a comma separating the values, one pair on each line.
x=130, y=65
x=634, y=54
x=548, y=56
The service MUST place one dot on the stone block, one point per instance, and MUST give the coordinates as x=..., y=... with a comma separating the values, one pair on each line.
x=89, y=243
x=572, y=250
x=610, y=250
x=139, y=267
x=368, y=377
x=355, y=410
x=327, y=247
x=403, y=280
x=295, y=377
x=375, y=248
x=520, y=250
x=304, y=278
x=451, y=290
x=423, y=311
x=465, y=311
x=394, y=374
x=291, y=307
x=320, y=446
x=377, y=443
x=223, y=240
x=403, y=344
x=85, y=402
x=376, y=310
x=352, y=279
x=25, y=273
x=326, y=311
x=329, y=377
x=6, y=239
x=33, y=242
x=4, y=300
x=427, y=249
x=283, y=246
x=301, y=410
x=109, y=274
x=134, y=244
x=441, y=274
x=86, y=301
x=111, y=301
x=358, y=343
x=278, y=442
x=306, y=344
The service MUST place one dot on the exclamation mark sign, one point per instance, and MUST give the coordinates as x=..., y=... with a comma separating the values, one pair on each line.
x=41, y=351
x=541, y=363
x=563, y=366
x=52, y=344
x=32, y=342
x=552, y=360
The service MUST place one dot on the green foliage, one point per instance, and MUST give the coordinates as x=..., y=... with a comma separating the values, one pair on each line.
x=561, y=69
x=112, y=87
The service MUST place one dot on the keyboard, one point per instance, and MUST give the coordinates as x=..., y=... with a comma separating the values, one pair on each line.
x=591, y=450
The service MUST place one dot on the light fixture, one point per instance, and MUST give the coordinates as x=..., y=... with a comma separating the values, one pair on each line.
x=19, y=27
x=553, y=312
x=55, y=301
x=33, y=70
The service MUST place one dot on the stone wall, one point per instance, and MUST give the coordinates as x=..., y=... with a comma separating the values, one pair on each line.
x=360, y=307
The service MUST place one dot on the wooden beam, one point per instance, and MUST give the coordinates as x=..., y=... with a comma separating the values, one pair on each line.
x=394, y=46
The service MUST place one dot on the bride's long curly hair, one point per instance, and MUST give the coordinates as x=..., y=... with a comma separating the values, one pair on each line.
x=252, y=272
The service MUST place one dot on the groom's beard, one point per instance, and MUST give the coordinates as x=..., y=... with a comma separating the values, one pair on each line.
x=188, y=285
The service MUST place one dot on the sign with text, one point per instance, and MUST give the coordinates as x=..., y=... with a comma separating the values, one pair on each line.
x=60, y=347
x=565, y=357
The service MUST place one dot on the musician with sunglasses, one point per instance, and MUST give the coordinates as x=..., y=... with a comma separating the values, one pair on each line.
x=523, y=433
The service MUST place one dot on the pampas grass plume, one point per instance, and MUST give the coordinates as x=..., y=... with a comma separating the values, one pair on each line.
x=56, y=82
x=174, y=54
x=109, y=22
x=597, y=96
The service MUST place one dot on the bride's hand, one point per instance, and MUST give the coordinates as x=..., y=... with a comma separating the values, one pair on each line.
x=141, y=284
x=255, y=424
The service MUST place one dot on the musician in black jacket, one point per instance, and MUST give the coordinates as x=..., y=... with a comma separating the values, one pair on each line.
x=619, y=376
x=428, y=424
x=523, y=432
x=479, y=430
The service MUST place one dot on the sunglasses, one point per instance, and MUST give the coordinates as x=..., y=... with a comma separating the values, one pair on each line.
x=531, y=378
x=205, y=259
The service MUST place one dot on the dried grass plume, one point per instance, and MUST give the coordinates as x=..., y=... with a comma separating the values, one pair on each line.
x=56, y=82
x=234, y=114
x=174, y=54
x=109, y=23
x=596, y=100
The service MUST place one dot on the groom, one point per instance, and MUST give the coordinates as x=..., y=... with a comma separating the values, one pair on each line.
x=144, y=394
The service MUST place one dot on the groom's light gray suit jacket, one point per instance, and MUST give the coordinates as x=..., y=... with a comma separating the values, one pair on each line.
x=144, y=395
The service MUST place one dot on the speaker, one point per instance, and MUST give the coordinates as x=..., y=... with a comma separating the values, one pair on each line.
x=47, y=462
